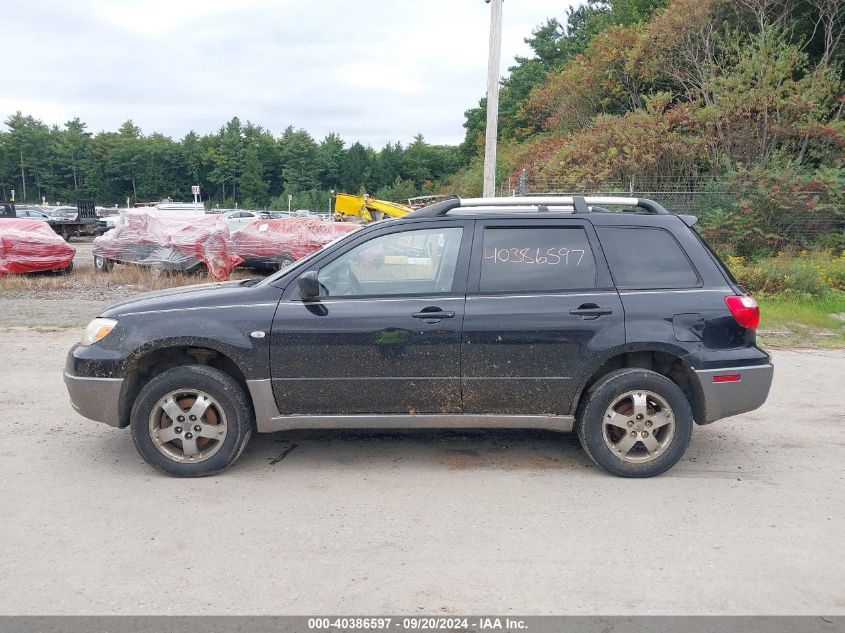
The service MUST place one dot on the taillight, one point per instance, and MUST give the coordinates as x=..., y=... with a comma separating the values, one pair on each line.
x=745, y=310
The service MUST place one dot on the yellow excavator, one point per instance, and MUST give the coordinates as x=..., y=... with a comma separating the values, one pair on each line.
x=365, y=208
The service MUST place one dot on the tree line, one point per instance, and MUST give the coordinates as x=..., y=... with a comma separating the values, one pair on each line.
x=241, y=163
x=739, y=96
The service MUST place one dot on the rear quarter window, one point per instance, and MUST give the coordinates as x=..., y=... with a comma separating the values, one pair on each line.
x=536, y=259
x=717, y=260
x=643, y=258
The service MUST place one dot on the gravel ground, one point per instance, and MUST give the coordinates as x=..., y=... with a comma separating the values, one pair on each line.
x=750, y=522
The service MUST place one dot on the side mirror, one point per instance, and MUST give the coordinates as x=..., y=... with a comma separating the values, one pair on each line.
x=309, y=286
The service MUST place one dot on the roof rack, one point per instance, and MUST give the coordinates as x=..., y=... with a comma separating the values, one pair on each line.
x=579, y=204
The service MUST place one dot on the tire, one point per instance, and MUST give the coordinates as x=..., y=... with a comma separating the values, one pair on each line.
x=103, y=264
x=66, y=271
x=616, y=428
x=228, y=408
x=283, y=261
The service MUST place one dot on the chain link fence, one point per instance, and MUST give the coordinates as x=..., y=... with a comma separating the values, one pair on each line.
x=731, y=223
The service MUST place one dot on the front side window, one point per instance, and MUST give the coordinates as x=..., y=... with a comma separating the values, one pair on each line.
x=410, y=262
x=644, y=258
x=536, y=259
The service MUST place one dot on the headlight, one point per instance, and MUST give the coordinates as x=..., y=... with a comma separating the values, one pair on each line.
x=96, y=330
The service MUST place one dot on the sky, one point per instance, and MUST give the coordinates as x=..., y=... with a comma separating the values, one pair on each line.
x=373, y=71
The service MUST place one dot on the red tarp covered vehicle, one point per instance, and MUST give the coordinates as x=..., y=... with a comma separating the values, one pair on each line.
x=168, y=241
x=29, y=246
x=275, y=244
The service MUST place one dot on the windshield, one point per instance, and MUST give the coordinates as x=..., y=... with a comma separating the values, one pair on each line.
x=304, y=261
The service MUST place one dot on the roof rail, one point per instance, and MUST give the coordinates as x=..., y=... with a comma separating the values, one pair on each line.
x=579, y=204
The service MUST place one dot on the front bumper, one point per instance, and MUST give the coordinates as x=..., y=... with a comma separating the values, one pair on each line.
x=95, y=398
x=724, y=399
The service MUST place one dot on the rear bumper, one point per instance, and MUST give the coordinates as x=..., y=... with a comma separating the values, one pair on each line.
x=95, y=398
x=724, y=399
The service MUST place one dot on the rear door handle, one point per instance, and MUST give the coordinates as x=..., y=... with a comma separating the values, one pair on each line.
x=433, y=313
x=590, y=311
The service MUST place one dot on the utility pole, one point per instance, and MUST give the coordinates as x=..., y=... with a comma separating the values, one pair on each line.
x=23, y=180
x=493, y=63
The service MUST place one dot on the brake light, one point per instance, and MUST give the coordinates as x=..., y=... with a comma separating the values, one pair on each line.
x=745, y=310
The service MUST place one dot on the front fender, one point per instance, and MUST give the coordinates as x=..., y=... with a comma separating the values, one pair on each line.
x=223, y=330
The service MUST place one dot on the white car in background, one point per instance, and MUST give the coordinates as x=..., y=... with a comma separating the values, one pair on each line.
x=239, y=219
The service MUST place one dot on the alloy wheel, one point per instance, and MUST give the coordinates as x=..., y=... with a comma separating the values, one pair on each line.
x=638, y=426
x=188, y=426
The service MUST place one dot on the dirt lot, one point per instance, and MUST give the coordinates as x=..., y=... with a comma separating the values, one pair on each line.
x=418, y=522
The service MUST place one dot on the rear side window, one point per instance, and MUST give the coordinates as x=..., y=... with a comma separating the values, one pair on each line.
x=536, y=259
x=646, y=258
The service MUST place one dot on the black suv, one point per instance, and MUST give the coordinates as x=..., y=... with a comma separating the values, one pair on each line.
x=550, y=313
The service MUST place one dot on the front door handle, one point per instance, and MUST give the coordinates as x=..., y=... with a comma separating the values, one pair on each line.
x=590, y=311
x=433, y=313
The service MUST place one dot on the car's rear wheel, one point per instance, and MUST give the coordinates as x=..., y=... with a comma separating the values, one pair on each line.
x=635, y=423
x=191, y=421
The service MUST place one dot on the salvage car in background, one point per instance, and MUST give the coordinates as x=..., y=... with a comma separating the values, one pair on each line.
x=276, y=244
x=167, y=241
x=108, y=218
x=29, y=245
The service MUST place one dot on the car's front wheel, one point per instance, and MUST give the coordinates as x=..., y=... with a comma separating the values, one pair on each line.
x=191, y=421
x=103, y=264
x=635, y=423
